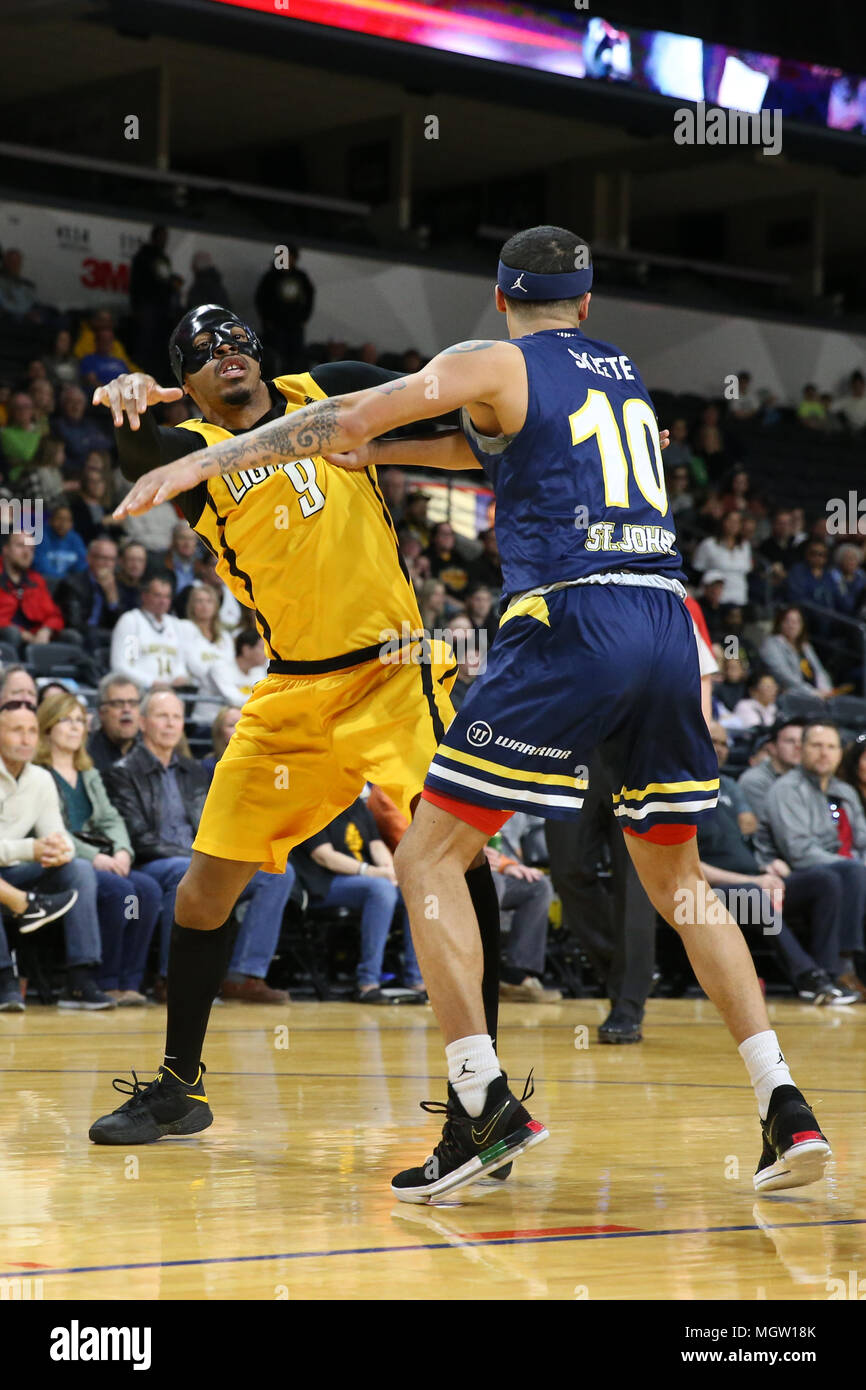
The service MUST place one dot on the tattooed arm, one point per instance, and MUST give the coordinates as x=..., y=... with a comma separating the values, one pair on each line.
x=486, y=376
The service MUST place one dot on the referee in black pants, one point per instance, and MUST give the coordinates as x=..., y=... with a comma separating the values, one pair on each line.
x=617, y=930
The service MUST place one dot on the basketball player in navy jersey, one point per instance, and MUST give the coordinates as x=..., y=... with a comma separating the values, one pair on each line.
x=595, y=653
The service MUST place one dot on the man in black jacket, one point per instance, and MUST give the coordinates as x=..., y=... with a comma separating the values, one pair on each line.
x=91, y=600
x=161, y=795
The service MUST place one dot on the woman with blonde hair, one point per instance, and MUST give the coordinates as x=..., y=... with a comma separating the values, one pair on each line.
x=205, y=641
x=100, y=837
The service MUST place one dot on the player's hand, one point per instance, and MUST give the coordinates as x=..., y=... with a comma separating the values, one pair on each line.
x=664, y=438
x=161, y=484
x=356, y=459
x=131, y=394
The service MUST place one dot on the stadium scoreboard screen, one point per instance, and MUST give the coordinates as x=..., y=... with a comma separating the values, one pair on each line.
x=582, y=46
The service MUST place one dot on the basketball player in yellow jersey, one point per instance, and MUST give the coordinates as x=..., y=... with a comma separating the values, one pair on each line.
x=311, y=549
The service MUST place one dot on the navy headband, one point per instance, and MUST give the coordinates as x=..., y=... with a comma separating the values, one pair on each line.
x=525, y=284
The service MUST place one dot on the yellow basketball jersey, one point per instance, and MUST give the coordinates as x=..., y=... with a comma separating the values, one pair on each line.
x=311, y=549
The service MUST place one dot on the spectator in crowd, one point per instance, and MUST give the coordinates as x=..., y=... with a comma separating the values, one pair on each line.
x=160, y=795
x=152, y=302
x=61, y=364
x=790, y=657
x=21, y=437
x=118, y=705
x=394, y=488
x=445, y=561
x=17, y=295
x=480, y=611
x=180, y=560
x=710, y=603
x=27, y=610
x=206, y=643
x=679, y=453
x=754, y=892
x=849, y=580
x=348, y=865
x=37, y=854
x=153, y=529
x=47, y=475
x=415, y=519
x=680, y=497
x=91, y=599
x=229, y=680
x=735, y=492
x=810, y=580
x=746, y=404
x=131, y=569
x=17, y=684
x=811, y=411
x=798, y=520
x=709, y=441
x=61, y=551
x=101, y=366
x=783, y=746
x=780, y=547
x=815, y=818
x=206, y=285
x=486, y=568
x=284, y=300
x=417, y=563
x=86, y=341
x=727, y=554
x=100, y=838
x=42, y=395
x=224, y=724
x=732, y=686
x=471, y=661
x=526, y=893
x=759, y=707
x=92, y=506
x=853, y=768
x=147, y=644
x=852, y=406
x=231, y=612
x=833, y=423
x=81, y=435
x=433, y=604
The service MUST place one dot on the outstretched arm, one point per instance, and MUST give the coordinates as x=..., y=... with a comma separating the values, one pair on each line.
x=448, y=450
x=469, y=373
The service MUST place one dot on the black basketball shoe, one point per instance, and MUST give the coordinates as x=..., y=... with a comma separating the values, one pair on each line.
x=42, y=908
x=165, y=1106
x=795, y=1151
x=472, y=1146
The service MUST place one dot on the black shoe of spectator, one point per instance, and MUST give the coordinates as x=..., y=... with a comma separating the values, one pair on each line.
x=44, y=907
x=10, y=992
x=622, y=1025
x=82, y=992
x=816, y=987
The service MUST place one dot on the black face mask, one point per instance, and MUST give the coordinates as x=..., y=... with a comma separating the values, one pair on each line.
x=222, y=325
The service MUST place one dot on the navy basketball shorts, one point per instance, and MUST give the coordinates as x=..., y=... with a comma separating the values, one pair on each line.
x=593, y=668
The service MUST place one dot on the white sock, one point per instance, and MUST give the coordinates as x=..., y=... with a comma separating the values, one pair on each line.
x=472, y=1065
x=766, y=1066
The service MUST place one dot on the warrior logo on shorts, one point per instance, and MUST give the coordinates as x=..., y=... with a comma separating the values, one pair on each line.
x=479, y=733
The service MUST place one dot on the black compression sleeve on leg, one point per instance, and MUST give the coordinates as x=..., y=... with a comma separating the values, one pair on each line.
x=483, y=894
x=197, y=965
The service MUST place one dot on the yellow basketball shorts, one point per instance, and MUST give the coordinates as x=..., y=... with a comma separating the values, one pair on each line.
x=304, y=747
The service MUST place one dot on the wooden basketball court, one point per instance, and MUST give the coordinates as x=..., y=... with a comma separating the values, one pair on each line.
x=642, y=1192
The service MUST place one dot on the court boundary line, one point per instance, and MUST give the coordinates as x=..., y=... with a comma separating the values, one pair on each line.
x=458, y=1243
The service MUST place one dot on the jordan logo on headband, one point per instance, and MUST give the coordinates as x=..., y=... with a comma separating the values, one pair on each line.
x=517, y=285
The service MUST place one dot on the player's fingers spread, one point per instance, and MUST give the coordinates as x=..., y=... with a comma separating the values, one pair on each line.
x=170, y=393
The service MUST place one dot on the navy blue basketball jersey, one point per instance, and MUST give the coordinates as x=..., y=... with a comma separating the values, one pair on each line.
x=580, y=489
